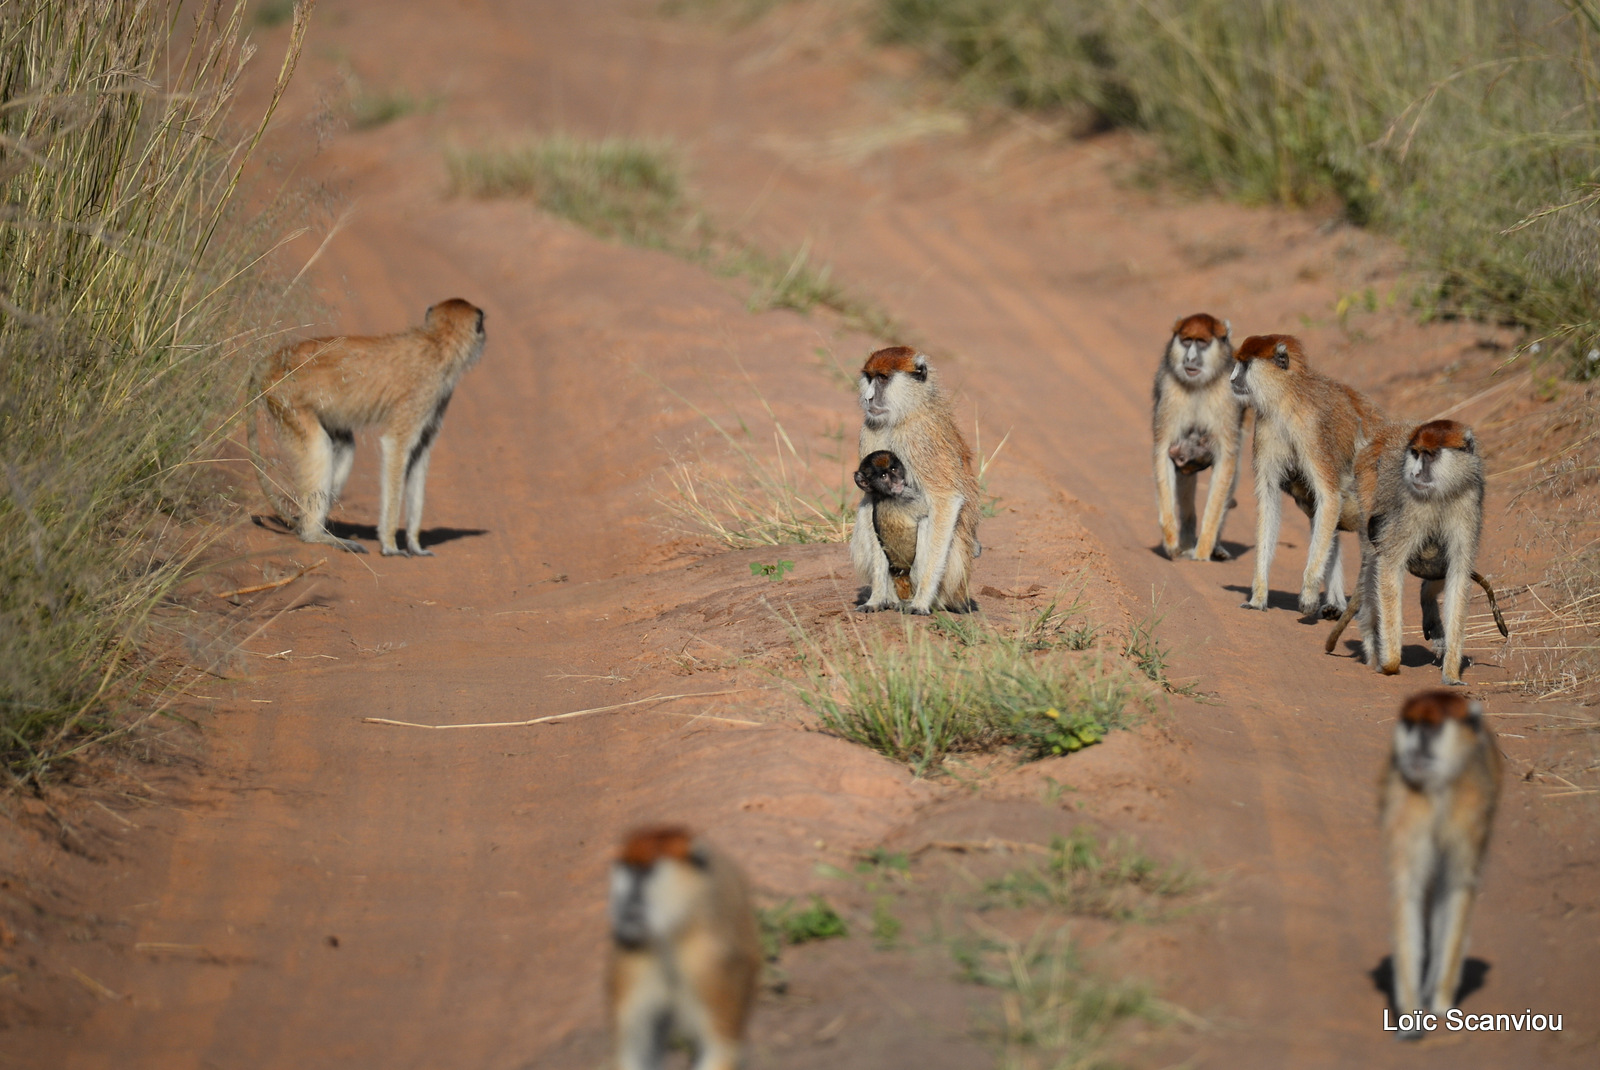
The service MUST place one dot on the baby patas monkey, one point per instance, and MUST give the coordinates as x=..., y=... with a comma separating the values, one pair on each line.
x=896, y=510
x=906, y=414
x=1422, y=511
x=1308, y=429
x=1198, y=422
x=321, y=391
x=1437, y=800
x=686, y=953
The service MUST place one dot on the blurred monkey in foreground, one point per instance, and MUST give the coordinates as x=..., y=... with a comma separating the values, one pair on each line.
x=1437, y=802
x=685, y=954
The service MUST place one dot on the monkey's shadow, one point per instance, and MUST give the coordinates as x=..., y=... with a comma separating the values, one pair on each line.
x=1237, y=549
x=1414, y=656
x=1473, y=973
x=430, y=537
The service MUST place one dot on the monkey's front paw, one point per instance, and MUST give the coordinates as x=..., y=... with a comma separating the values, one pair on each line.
x=1219, y=554
x=872, y=607
x=352, y=546
x=417, y=551
x=1390, y=668
x=394, y=551
x=918, y=611
x=1332, y=611
x=1252, y=604
x=1310, y=607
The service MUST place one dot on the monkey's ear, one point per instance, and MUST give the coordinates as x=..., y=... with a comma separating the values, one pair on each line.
x=1475, y=714
x=1227, y=330
x=920, y=362
x=1280, y=355
x=699, y=857
x=1177, y=325
x=1469, y=443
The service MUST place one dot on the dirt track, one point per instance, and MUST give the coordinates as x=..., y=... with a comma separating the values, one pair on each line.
x=334, y=893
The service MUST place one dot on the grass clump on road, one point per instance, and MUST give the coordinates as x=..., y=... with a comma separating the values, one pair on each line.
x=921, y=693
x=1080, y=874
x=632, y=190
x=1466, y=129
x=124, y=283
x=1055, y=1011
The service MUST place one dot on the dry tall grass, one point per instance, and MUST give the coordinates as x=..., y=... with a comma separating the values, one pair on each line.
x=1469, y=128
x=125, y=283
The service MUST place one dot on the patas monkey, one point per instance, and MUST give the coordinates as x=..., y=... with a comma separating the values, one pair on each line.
x=1437, y=800
x=1198, y=422
x=1422, y=511
x=1308, y=430
x=896, y=511
x=321, y=391
x=685, y=954
x=906, y=414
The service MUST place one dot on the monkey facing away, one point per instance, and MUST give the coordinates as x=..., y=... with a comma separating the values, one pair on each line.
x=1198, y=422
x=319, y=392
x=1437, y=800
x=685, y=954
x=906, y=414
x=1308, y=430
x=896, y=511
x=1421, y=492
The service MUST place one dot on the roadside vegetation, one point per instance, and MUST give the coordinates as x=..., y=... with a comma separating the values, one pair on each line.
x=1470, y=130
x=964, y=683
x=127, y=296
x=632, y=190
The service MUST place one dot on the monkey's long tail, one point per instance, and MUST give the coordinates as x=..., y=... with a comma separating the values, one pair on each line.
x=285, y=509
x=1499, y=621
x=1349, y=612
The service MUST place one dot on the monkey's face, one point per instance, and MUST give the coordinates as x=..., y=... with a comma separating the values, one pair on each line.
x=654, y=885
x=893, y=382
x=882, y=475
x=1261, y=368
x=1439, y=456
x=1200, y=350
x=1434, y=738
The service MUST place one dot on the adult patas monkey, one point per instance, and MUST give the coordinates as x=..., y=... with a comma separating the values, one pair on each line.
x=1437, y=801
x=1308, y=430
x=1199, y=422
x=321, y=391
x=685, y=954
x=906, y=414
x=1422, y=511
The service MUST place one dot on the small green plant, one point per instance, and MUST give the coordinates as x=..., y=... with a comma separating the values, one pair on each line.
x=1054, y=1010
x=772, y=572
x=371, y=108
x=1146, y=650
x=1083, y=876
x=785, y=925
x=885, y=926
x=1051, y=734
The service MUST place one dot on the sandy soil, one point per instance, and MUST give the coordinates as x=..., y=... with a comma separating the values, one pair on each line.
x=306, y=889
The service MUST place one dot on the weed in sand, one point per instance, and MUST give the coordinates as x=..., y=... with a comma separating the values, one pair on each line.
x=1083, y=876
x=371, y=107
x=772, y=572
x=784, y=925
x=1466, y=129
x=960, y=685
x=126, y=306
x=1054, y=1011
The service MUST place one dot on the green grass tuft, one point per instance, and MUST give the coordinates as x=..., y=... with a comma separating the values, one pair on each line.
x=961, y=684
x=1084, y=876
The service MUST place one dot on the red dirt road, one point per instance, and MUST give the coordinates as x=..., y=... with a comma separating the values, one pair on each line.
x=326, y=892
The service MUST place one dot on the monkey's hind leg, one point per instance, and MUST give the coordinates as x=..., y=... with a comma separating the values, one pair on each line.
x=1447, y=941
x=344, y=457
x=317, y=469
